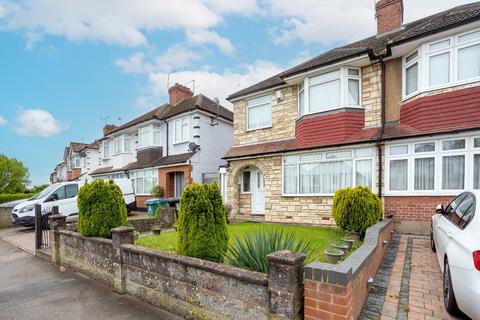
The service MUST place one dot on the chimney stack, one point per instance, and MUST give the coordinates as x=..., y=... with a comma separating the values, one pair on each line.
x=389, y=14
x=108, y=128
x=178, y=93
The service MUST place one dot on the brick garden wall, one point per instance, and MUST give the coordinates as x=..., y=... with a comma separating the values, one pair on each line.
x=339, y=291
x=419, y=208
x=189, y=287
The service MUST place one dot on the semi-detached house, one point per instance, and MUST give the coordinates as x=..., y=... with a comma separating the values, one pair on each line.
x=398, y=112
x=173, y=145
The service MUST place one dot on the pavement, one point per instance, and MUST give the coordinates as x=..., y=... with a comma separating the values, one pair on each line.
x=21, y=237
x=408, y=284
x=32, y=288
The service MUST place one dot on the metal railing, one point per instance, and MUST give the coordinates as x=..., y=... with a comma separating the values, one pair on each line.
x=42, y=234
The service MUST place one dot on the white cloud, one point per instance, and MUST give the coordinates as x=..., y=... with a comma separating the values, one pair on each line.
x=3, y=10
x=315, y=21
x=176, y=56
x=37, y=122
x=3, y=121
x=198, y=36
x=133, y=64
x=31, y=39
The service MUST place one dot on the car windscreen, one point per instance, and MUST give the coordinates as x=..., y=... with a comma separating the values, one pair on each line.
x=44, y=192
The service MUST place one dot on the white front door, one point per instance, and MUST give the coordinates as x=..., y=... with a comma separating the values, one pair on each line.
x=258, y=193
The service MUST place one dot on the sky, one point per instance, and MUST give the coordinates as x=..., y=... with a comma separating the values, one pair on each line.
x=68, y=67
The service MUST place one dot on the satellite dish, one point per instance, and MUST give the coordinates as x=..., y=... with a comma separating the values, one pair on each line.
x=192, y=146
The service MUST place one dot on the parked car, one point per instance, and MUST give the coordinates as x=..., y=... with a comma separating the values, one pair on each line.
x=63, y=195
x=455, y=237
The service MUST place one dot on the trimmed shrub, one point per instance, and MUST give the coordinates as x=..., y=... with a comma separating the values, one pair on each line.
x=251, y=251
x=157, y=191
x=202, y=227
x=7, y=197
x=355, y=209
x=100, y=208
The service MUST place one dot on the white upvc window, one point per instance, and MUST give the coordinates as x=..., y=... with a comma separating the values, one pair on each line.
x=181, y=130
x=106, y=149
x=75, y=161
x=323, y=173
x=149, y=136
x=121, y=144
x=442, y=166
x=259, y=112
x=442, y=63
x=330, y=90
x=144, y=180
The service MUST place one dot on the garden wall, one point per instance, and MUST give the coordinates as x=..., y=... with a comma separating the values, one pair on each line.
x=6, y=217
x=339, y=291
x=165, y=220
x=189, y=287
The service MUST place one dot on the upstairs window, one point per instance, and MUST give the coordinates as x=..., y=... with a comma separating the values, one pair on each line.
x=149, y=136
x=106, y=149
x=259, y=113
x=330, y=90
x=75, y=161
x=121, y=144
x=181, y=130
x=447, y=62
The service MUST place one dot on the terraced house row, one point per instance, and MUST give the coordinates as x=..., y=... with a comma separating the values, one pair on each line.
x=398, y=112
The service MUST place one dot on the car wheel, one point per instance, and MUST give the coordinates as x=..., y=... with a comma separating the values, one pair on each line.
x=432, y=240
x=448, y=294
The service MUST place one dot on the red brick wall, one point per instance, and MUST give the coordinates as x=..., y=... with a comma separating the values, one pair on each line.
x=414, y=208
x=389, y=14
x=140, y=201
x=330, y=301
x=166, y=180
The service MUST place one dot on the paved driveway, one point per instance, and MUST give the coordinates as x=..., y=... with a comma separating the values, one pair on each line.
x=408, y=284
x=21, y=237
x=32, y=288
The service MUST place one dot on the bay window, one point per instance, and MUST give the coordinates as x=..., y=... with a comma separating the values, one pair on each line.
x=451, y=61
x=149, y=136
x=322, y=173
x=439, y=167
x=181, y=131
x=259, y=113
x=121, y=144
x=144, y=180
x=330, y=90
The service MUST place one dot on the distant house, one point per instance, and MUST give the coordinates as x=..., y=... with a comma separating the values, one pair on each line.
x=79, y=160
x=398, y=112
x=173, y=145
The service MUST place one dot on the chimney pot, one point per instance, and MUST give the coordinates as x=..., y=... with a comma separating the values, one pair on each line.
x=389, y=14
x=178, y=93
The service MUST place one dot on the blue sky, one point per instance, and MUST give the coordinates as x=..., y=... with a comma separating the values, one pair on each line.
x=69, y=67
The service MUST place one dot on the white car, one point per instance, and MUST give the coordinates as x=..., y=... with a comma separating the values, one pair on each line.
x=455, y=237
x=63, y=195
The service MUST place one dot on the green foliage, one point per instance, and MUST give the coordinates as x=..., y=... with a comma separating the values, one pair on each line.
x=251, y=251
x=13, y=175
x=100, y=208
x=157, y=191
x=7, y=197
x=202, y=226
x=355, y=209
x=37, y=189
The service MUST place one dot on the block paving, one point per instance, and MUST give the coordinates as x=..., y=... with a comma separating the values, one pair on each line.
x=413, y=281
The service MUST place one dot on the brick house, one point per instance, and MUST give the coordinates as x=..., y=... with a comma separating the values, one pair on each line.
x=180, y=142
x=398, y=112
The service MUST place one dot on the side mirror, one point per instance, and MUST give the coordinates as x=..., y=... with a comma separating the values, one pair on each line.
x=52, y=197
x=440, y=209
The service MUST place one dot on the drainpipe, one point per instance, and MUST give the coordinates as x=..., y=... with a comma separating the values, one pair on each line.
x=382, y=127
x=166, y=149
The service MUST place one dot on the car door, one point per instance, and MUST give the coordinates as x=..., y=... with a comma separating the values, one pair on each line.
x=68, y=206
x=445, y=229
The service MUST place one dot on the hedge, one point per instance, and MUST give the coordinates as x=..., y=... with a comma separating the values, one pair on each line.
x=7, y=197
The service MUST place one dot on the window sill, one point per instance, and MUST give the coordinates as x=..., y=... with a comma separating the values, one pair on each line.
x=246, y=193
x=180, y=142
x=260, y=128
x=439, y=87
x=329, y=111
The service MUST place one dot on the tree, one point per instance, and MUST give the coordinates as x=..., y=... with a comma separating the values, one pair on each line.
x=13, y=175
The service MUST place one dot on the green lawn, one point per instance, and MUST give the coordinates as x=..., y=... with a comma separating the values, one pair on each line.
x=320, y=237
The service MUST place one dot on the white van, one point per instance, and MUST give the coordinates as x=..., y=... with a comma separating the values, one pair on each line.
x=63, y=195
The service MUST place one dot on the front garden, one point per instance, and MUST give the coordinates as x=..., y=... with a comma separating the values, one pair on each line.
x=320, y=238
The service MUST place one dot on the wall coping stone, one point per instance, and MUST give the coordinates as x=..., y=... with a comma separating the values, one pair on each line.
x=342, y=273
x=92, y=239
x=122, y=229
x=217, y=268
x=285, y=257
